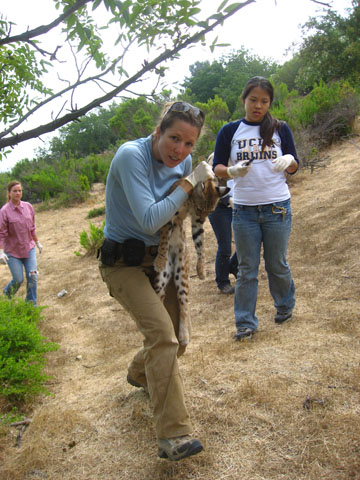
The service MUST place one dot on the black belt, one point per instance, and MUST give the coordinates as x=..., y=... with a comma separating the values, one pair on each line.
x=151, y=250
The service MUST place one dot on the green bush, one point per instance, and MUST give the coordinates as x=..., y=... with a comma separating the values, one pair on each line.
x=93, y=240
x=322, y=99
x=96, y=212
x=22, y=350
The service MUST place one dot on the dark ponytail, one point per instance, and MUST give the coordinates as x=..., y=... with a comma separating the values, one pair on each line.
x=269, y=124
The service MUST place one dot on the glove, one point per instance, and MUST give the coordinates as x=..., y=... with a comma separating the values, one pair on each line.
x=3, y=257
x=239, y=170
x=40, y=247
x=201, y=173
x=284, y=162
x=210, y=158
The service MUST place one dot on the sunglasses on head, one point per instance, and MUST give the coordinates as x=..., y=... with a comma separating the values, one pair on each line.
x=185, y=107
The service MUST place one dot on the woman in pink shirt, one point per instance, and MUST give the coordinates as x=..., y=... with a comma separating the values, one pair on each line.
x=17, y=242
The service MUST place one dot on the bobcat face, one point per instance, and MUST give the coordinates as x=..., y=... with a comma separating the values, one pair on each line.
x=205, y=197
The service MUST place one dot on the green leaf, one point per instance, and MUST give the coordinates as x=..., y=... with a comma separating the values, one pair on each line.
x=96, y=4
x=232, y=7
x=222, y=5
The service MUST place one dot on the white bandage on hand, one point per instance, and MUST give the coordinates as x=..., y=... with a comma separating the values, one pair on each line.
x=40, y=247
x=283, y=162
x=3, y=257
x=239, y=170
x=200, y=174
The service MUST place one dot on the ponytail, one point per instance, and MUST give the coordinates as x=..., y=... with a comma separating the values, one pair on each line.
x=268, y=127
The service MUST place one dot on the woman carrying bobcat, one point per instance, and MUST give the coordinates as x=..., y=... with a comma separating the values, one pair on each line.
x=260, y=150
x=137, y=206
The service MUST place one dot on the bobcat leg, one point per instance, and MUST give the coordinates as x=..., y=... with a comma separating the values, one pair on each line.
x=184, y=326
x=161, y=282
x=162, y=255
x=197, y=228
x=181, y=280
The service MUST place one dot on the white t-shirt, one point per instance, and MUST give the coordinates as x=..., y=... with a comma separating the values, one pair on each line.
x=241, y=140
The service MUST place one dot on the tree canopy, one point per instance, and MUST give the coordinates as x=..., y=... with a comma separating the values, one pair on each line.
x=226, y=77
x=330, y=50
x=162, y=27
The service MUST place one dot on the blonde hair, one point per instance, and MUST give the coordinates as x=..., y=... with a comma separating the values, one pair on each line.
x=10, y=185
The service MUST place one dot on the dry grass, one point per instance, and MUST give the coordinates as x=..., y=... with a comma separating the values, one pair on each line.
x=282, y=406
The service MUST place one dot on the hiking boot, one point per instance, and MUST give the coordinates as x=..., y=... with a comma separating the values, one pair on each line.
x=282, y=317
x=244, y=332
x=137, y=384
x=178, y=448
x=227, y=289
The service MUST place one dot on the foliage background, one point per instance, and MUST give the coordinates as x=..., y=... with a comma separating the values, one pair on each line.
x=316, y=92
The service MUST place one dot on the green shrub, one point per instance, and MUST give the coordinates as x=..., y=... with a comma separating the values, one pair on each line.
x=96, y=212
x=93, y=240
x=22, y=350
x=84, y=183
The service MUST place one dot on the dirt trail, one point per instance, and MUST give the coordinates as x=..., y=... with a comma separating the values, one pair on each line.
x=246, y=400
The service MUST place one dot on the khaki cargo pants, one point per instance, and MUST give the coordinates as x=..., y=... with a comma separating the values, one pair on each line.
x=155, y=365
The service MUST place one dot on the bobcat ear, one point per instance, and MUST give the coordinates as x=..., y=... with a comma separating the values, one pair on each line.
x=222, y=191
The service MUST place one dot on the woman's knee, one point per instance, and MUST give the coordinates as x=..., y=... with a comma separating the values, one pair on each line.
x=32, y=277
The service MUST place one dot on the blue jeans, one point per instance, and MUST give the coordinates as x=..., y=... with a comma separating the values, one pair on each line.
x=221, y=220
x=269, y=225
x=16, y=268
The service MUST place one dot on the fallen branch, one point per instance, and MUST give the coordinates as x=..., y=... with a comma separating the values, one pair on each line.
x=24, y=424
x=26, y=421
x=352, y=266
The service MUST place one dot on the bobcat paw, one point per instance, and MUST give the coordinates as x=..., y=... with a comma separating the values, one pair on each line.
x=159, y=264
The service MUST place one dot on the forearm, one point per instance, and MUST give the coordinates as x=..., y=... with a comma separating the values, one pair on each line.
x=221, y=171
x=186, y=186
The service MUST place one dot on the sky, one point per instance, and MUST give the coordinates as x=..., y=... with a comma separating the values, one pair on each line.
x=266, y=28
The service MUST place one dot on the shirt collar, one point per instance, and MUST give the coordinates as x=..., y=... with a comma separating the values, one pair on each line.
x=13, y=207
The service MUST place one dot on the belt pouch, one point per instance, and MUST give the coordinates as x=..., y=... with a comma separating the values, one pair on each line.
x=133, y=252
x=108, y=252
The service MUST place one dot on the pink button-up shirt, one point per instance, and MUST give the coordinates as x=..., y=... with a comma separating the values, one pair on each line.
x=17, y=228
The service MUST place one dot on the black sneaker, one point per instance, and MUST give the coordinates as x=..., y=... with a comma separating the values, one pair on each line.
x=227, y=289
x=178, y=448
x=244, y=332
x=282, y=317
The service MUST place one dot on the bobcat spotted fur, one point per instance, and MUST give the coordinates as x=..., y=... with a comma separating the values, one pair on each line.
x=172, y=258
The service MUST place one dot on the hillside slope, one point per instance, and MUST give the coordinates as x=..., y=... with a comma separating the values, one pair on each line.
x=284, y=405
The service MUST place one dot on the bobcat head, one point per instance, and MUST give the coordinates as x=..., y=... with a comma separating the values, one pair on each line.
x=205, y=197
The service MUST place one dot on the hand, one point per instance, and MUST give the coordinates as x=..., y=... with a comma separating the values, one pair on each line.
x=239, y=170
x=201, y=173
x=40, y=247
x=284, y=162
x=3, y=257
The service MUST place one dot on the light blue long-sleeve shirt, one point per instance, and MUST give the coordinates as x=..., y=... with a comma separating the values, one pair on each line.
x=137, y=204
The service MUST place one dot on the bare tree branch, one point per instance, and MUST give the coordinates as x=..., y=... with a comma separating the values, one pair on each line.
x=73, y=115
x=59, y=94
x=26, y=36
x=321, y=3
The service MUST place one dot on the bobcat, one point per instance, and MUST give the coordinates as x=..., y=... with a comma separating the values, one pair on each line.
x=172, y=257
